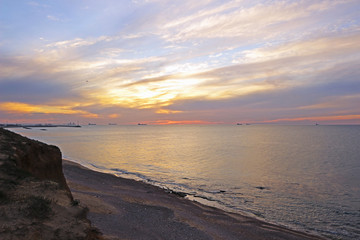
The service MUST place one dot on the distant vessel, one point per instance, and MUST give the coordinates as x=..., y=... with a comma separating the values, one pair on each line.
x=316, y=124
x=92, y=124
x=142, y=124
x=72, y=124
x=112, y=124
x=247, y=123
x=239, y=124
x=30, y=126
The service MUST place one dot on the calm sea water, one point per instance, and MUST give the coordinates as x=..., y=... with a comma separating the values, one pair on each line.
x=304, y=177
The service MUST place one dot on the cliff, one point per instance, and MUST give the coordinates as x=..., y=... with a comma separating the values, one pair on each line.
x=35, y=201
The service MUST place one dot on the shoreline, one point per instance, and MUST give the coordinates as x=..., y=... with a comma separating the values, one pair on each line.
x=185, y=195
x=124, y=208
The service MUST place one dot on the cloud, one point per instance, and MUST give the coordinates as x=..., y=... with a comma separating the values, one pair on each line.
x=79, y=42
x=281, y=67
x=114, y=115
x=329, y=46
x=167, y=111
x=180, y=122
x=215, y=58
x=17, y=107
x=333, y=91
x=231, y=20
x=53, y=18
x=34, y=90
x=36, y=4
x=316, y=119
x=343, y=104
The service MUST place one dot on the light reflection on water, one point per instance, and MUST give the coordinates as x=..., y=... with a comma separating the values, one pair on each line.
x=305, y=177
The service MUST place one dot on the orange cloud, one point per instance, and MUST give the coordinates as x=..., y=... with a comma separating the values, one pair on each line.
x=16, y=107
x=167, y=111
x=319, y=118
x=113, y=115
x=181, y=122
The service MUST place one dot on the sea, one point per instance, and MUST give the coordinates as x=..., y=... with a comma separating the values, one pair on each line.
x=303, y=177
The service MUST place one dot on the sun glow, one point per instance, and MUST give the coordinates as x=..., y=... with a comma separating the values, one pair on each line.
x=155, y=94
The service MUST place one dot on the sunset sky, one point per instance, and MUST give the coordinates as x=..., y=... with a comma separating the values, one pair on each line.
x=176, y=62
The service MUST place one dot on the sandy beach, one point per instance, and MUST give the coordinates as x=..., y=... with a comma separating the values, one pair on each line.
x=127, y=209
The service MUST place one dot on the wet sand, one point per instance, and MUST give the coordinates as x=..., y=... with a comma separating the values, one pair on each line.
x=128, y=209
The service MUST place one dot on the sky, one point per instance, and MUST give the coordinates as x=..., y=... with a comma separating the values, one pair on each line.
x=180, y=62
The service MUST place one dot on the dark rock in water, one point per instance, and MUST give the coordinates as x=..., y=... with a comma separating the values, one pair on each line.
x=180, y=194
x=35, y=200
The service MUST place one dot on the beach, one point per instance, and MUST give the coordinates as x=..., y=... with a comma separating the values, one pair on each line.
x=127, y=209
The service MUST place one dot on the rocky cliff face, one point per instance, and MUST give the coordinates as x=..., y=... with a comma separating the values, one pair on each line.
x=35, y=201
x=39, y=159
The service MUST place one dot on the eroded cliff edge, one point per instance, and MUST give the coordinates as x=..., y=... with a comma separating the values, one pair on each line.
x=35, y=201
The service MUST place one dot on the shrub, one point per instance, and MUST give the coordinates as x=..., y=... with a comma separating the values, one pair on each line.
x=3, y=197
x=38, y=207
x=75, y=202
